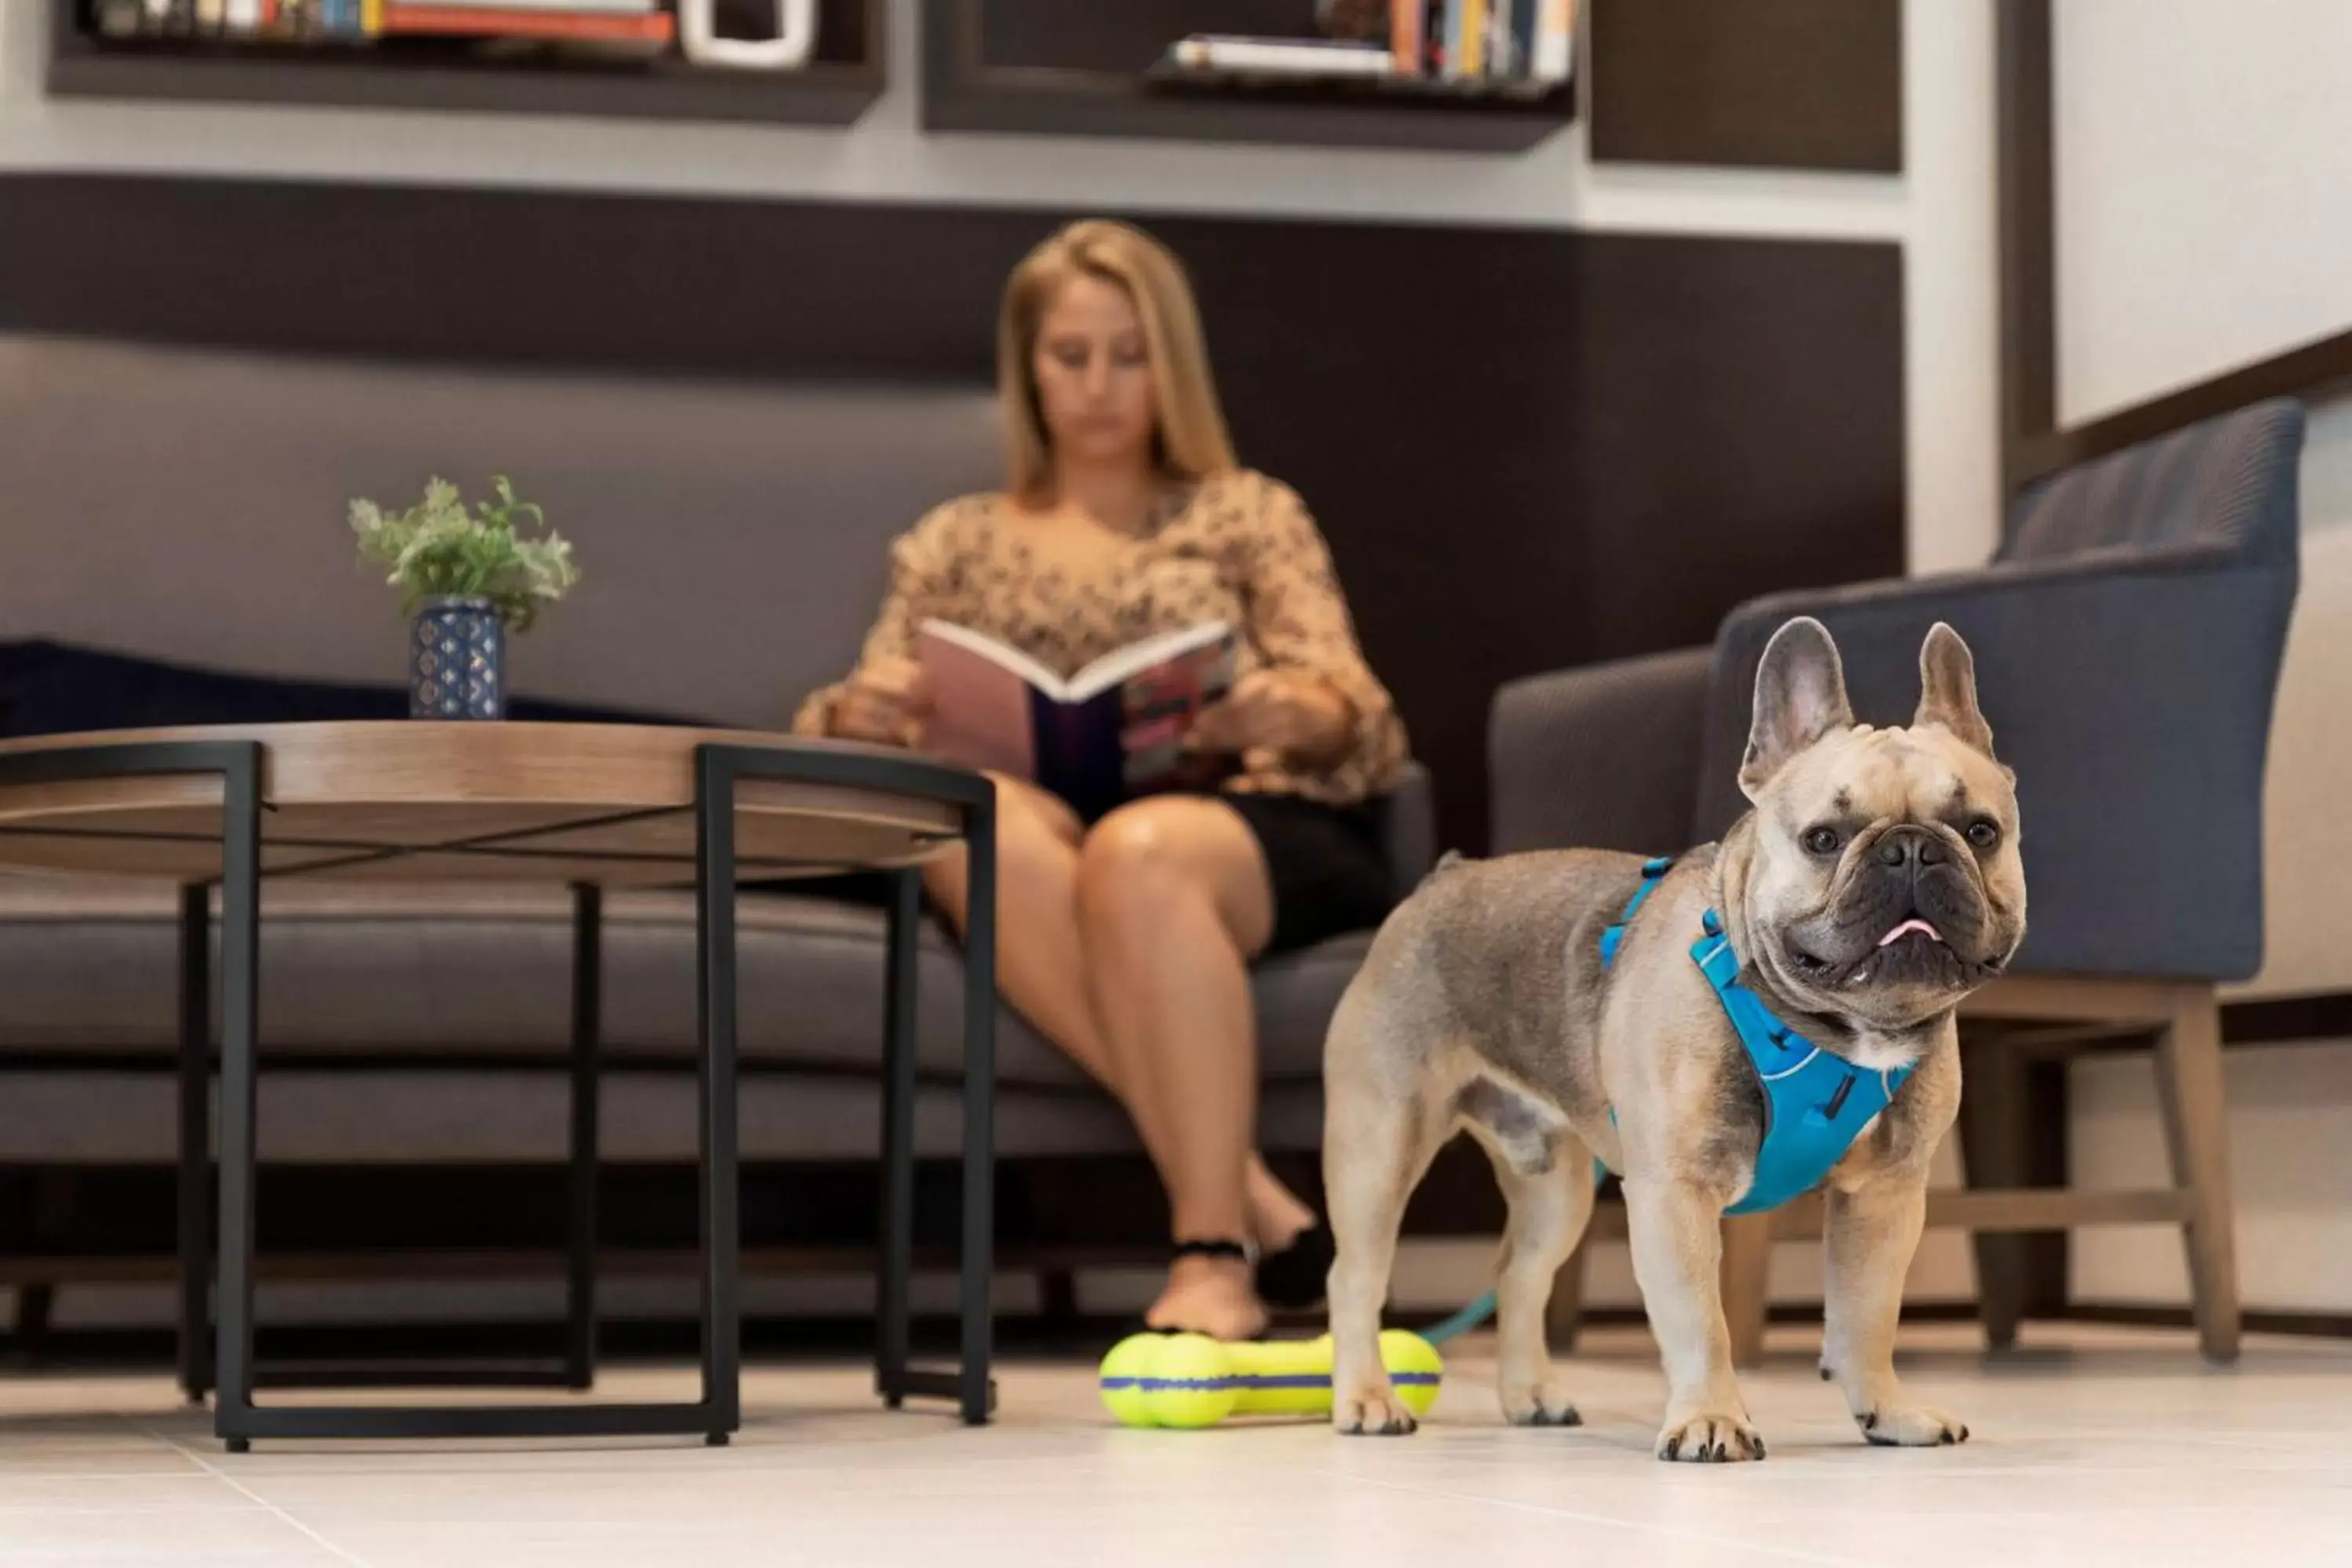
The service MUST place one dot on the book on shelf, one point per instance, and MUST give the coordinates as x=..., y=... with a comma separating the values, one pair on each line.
x=1518, y=37
x=1516, y=46
x=1465, y=41
x=1552, y=49
x=599, y=7
x=1305, y=59
x=632, y=22
x=314, y=19
x=569, y=24
x=119, y=19
x=1513, y=47
x=1114, y=730
x=1408, y=42
x=239, y=20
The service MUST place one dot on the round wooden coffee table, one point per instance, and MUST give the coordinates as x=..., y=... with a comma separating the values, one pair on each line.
x=589, y=805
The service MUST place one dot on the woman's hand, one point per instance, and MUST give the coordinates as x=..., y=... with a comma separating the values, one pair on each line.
x=885, y=702
x=1287, y=713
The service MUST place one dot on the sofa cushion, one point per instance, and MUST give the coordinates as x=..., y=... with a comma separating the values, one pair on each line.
x=88, y=967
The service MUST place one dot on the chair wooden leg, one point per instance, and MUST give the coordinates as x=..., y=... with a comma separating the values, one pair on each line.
x=2196, y=1130
x=1992, y=1147
x=1564, y=1313
x=1746, y=1269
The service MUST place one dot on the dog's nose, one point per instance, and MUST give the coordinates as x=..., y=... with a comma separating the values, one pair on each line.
x=1915, y=846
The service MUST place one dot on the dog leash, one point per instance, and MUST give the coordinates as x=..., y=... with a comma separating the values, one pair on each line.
x=1461, y=1322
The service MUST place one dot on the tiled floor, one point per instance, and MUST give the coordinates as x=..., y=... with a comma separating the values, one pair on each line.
x=2093, y=1449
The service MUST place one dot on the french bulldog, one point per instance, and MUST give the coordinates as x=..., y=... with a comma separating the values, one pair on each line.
x=1874, y=883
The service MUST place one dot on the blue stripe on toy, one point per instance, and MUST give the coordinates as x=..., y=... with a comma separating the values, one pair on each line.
x=1251, y=1381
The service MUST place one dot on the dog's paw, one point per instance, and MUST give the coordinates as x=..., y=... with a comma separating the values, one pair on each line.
x=1380, y=1415
x=1710, y=1440
x=1537, y=1406
x=1910, y=1427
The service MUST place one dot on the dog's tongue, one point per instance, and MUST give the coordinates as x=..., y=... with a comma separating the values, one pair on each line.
x=1906, y=928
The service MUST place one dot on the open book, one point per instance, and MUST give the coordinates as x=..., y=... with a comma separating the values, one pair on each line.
x=1112, y=732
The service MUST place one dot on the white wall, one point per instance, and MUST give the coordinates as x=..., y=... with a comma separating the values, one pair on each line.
x=1940, y=210
x=2307, y=940
x=2204, y=199
x=2204, y=215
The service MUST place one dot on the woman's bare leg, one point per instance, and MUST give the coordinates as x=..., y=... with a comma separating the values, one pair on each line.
x=1040, y=964
x=1173, y=901
x=1041, y=971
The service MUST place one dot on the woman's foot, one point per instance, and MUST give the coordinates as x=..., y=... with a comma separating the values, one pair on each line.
x=1275, y=1216
x=1293, y=1247
x=1209, y=1295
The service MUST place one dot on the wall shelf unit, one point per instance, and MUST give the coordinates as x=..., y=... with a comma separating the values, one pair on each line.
x=451, y=76
x=1108, y=91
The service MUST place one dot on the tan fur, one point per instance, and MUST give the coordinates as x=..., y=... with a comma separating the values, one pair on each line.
x=1483, y=1006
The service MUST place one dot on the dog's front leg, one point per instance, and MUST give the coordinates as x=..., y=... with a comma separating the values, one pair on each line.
x=1869, y=1235
x=1677, y=1239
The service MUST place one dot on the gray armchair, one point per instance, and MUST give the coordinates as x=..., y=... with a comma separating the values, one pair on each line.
x=2127, y=639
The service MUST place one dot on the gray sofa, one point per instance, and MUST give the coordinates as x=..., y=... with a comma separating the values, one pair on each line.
x=188, y=506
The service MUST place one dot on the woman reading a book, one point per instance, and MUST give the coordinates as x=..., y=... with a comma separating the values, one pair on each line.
x=1126, y=939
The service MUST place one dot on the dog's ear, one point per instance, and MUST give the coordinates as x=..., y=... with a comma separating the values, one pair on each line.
x=1948, y=689
x=1799, y=698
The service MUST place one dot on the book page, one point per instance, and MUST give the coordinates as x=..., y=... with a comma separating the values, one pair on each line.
x=1117, y=668
x=1003, y=655
x=1158, y=706
x=981, y=710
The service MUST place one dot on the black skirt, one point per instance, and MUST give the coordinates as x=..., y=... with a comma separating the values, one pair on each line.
x=1325, y=864
x=1328, y=872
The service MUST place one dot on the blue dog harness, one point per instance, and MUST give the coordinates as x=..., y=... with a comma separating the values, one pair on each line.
x=1815, y=1102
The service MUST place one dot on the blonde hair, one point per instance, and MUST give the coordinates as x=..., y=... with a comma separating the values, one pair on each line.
x=1191, y=439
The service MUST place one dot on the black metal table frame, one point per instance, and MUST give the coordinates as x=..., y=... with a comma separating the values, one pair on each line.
x=719, y=769
x=576, y=1368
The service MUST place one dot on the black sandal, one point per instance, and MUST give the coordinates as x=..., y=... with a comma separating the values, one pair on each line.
x=1230, y=1251
x=1295, y=1279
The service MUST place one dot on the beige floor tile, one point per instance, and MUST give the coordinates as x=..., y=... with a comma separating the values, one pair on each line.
x=213, y=1537
x=97, y=1492
x=2091, y=1448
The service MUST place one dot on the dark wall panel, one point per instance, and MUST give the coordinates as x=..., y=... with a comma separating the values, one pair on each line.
x=1799, y=84
x=1421, y=391
x=1528, y=447
x=1740, y=413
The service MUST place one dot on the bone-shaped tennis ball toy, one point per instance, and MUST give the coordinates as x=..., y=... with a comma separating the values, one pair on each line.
x=1191, y=1380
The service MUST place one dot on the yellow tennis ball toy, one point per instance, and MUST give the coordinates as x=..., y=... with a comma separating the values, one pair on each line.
x=1189, y=1381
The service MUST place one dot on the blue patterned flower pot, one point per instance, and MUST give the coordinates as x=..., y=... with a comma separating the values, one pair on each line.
x=458, y=661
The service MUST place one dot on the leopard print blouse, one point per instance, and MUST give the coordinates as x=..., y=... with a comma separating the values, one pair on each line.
x=1234, y=545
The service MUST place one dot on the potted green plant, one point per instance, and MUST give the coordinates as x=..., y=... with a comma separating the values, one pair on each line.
x=466, y=581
